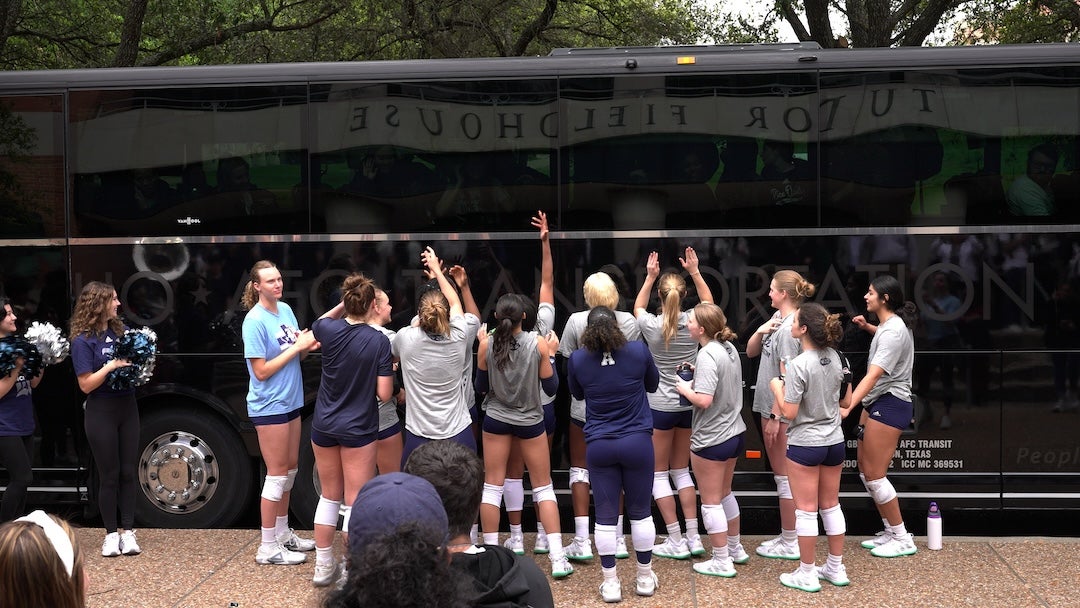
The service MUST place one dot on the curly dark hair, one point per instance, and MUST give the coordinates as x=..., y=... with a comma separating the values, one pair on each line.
x=403, y=569
x=458, y=476
x=602, y=334
x=823, y=328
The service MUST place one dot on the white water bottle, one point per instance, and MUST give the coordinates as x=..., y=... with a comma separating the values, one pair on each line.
x=933, y=527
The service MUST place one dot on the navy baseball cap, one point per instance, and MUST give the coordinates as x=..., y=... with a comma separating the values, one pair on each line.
x=389, y=500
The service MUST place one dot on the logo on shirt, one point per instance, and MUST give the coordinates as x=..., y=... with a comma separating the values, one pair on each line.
x=286, y=337
x=22, y=386
x=824, y=361
x=607, y=359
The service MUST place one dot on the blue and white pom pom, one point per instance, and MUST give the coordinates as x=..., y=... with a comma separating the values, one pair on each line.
x=50, y=342
x=12, y=348
x=139, y=346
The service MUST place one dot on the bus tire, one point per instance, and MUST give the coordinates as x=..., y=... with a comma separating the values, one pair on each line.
x=193, y=470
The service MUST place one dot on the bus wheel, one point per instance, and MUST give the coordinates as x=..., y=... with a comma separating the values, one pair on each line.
x=186, y=455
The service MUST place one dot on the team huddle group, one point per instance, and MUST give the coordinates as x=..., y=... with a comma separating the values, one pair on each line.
x=641, y=424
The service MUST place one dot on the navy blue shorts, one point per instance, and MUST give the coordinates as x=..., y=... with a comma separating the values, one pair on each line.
x=549, y=418
x=496, y=427
x=390, y=431
x=732, y=448
x=410, y=442
x=326, y=440
x=665, y=421
x=828, y=455
x=275, y=418
x=891, y=410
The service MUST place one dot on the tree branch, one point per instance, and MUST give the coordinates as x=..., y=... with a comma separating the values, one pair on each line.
x=927, y=21
x=817, y=17
x=9, y=16
x=534, y=28
x=130, y=34
x=789, y=14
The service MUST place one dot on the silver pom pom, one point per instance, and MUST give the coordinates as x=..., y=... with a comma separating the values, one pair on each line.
x=50, y=342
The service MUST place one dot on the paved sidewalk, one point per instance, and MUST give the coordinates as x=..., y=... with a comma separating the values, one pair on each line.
x=216, y=568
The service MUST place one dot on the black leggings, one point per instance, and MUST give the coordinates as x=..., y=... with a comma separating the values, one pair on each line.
x=112, y=430
x=16, y=454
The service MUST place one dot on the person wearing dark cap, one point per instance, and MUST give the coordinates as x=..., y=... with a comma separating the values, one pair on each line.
x=398, y=549
x=499, y=577
x=613, y=376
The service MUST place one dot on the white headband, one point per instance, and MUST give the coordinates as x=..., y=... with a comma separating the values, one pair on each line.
x=59, y=539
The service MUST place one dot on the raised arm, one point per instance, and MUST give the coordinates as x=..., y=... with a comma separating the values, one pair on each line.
x=690, y=265
x=461, y=278
x=652, y=271
x=335, y=313
x=547, y=270
x=434, y=267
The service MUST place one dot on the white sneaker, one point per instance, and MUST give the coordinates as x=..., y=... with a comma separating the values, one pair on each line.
x=896, y=547
x=541, y=545
x=695, y=546
x=292, y=542
x=877, y=540
x=277, y=554
x=837, y=577
x=128, y=544
x=325, y=573
x=111, y=546
x=561, y=568
x=671, y=549
x=716, y=567
x=515, y=544
x=806, y=581
x=738, y=554
x=611, y=591
x=778, y=548
x=620, y=547
x=579, y=549
x=647, y=584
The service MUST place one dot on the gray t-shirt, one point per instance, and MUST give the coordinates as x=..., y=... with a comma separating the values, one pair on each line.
x=893, y=350
x=571, y=341
x=717, y=372
x=432, y=367
x=387, y=409
x=545, y=322
x=514, y=393
x=682, y=348
x=813, y=381
x=775, y=347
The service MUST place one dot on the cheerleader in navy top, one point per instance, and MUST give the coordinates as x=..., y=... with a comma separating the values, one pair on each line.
x=357, y=374
x=613, y=377
x=112, y=416
x=814, y=396
x=16, y=426
x=717, y=439
x=671, y=345
x=885, y=392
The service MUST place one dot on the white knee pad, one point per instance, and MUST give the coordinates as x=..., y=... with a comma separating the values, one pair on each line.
x=274, y=487
x=805, y=523
x=783, y=488
x=731, y=506
x=326, y=513
x=604, y=535
x=492, y=495
x=681, y=478
x=579, y=475
x=714, y=518
x=346, y=514
x=542, y=493
x=833, y=521
x=643, y=533
x=881, y=490
x=513, y=494
x=661, y=487
x=291, y=478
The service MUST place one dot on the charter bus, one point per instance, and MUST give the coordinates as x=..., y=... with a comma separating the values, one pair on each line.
x=955, y=169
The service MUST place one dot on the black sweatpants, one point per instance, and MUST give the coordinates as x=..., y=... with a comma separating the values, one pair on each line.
x=16, y=455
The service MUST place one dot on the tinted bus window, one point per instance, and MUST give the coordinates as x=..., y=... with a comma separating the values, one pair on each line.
x=189, y=161
x=689, y=151
x=31, y=166
x=435, y=156
x=934, y=148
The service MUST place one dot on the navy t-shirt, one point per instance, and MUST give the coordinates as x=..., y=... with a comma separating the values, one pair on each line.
x=89, y=353
x=614, y=387
x=353, y=356
x=17, y=409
